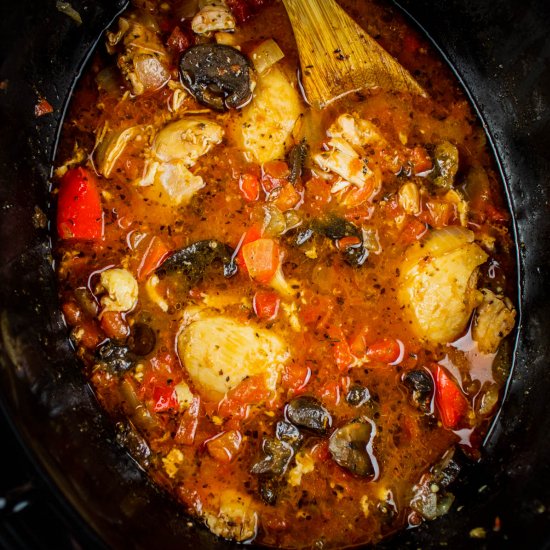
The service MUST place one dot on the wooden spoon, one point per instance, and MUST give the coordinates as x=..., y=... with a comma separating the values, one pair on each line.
x=338, y=57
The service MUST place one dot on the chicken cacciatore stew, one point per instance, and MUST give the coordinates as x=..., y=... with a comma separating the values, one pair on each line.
x=296, y=318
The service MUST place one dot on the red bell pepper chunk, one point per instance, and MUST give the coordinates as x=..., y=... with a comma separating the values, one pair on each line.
x=251, y=390
x=386, y=350
x=164, y=398
x=189, y=423
x=262, y=258
x=450, y=400
x=154, y=254
x=249, y=185
x=79, y=212
x=266, y=304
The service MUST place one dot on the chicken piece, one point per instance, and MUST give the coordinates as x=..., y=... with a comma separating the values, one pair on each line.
x=122, y=290
x=356, y=131
x=494, y=320
x=219, y=352
x=263, y=127
x=342, y=159
x=438, y=283
x=236, y=519
x=214, y=15
x=176, y=148
x=346, y=156
x=143, y=61
x=304, y=465
x=110, y=145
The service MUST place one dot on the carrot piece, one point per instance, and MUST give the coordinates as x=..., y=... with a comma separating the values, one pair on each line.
x=253, y=234
x=262, y=258
x=288, y=198
x=152, y=258
x=450, y=400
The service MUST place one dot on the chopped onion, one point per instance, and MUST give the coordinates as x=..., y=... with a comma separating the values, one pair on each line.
x=67, y=9
x=266, y=55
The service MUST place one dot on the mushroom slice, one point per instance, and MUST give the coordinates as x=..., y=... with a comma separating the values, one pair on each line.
x=438, y=283
x=217, y=76
x=494, y=320
x=219, y=352
x=214, y=15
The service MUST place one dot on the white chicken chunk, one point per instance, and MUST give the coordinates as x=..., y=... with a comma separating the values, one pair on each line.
x=438, y=283
x=122, y=290
x=236, y=518
x=214, y=15
x=110, y=145
x=143, y=61
x=176, y=148
x=356, y=131
x=494, y=320
x=264, y=126
x=219, y=352
x=346, y=155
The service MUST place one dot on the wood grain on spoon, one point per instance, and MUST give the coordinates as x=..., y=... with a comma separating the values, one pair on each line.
x=338, y=57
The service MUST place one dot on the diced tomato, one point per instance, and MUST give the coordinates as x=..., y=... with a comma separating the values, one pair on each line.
x=317, y=310
x=71, y=312
x=154, y=255
x=330, y=393
x=224, y=446
x=340, y=348
x=288, y=198
x=295, y=378
x=357, y=196
x=90, y=334
x=178, y=41
x=358, y=343
x=249, y=185
x=164, y=398
x=79, y=212
x=274, y=175
x=114, y=325
x=253, y=234
x=266, y=304
x=251, y=390
x=318, y=194
x=320, y=451
x=386, y=350
x=420, y=159
x=42, y=108
x=189, y=423
x=262, y=259
x=413, y=231
x=450, y=400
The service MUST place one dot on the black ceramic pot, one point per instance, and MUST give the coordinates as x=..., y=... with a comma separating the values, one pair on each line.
x=501, y=51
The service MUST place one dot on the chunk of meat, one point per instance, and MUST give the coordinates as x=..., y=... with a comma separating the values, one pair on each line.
x=236, y=518
x=265, y=125
x=219, y=352
x=213, y=16
x=356, y=131
x=175, y=149
x=494, y=320
x=122, y=290
x=438, y=283
x=143, y=60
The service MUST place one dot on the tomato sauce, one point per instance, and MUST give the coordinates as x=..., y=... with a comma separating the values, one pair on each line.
x=278, y=346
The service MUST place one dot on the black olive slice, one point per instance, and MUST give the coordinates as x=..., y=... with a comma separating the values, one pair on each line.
x=217, y=76
x=307, y=412
x=348, y=448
